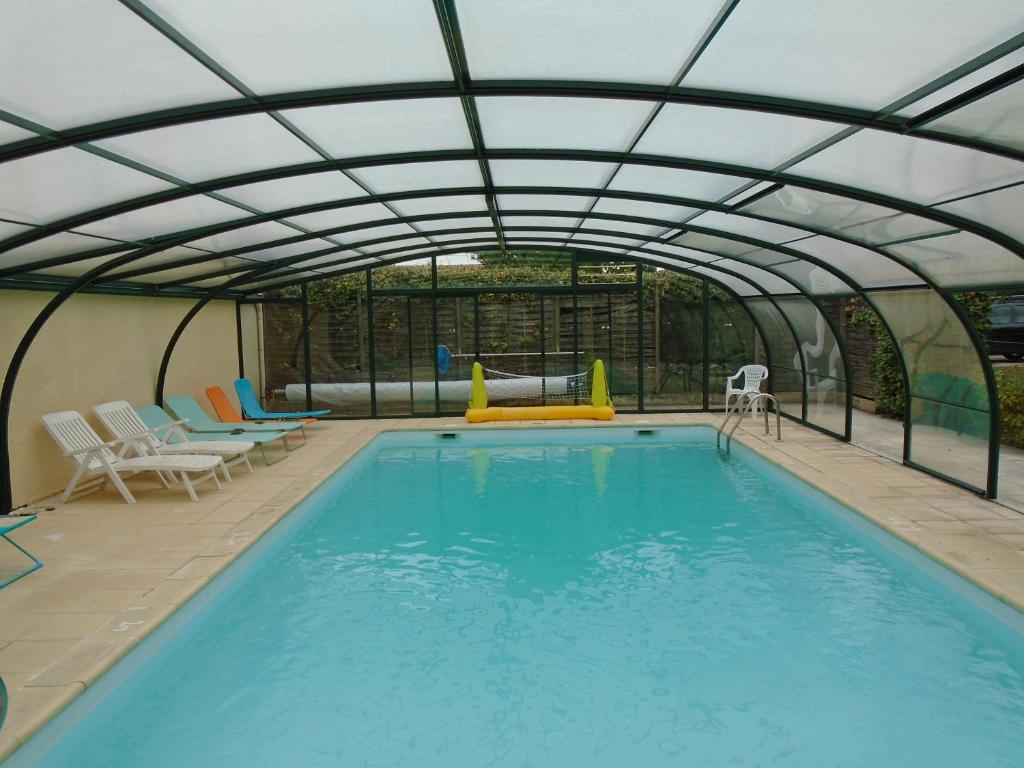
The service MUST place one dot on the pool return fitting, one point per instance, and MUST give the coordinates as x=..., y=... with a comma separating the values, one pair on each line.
x=749, y=401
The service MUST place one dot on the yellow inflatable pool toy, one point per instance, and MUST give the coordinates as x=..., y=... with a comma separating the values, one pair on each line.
x=600, y=407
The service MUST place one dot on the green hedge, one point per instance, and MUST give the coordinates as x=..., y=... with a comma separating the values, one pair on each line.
x=1010, y=381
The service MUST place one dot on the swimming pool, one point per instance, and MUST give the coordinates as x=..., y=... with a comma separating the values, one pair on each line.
x=565, y=597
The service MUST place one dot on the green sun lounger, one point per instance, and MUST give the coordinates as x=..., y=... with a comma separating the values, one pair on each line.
x=157, y=419
x=8, y=524
x=186, y=407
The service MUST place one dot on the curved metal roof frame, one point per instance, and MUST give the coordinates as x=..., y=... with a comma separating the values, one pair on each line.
x=741, y=172
x=982, y=72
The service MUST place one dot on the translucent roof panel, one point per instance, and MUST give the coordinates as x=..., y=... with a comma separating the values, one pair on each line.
x=214, y=148
x=416, y=206
x=812, y=279
x=550, y=173
x=648, y=230
x=964, y=84
x=675, y=182
x=385, y=127
x=376, y=233
x=548, y=123
x=50, y=186
x=908, y=168
x=82, y=62
x=1000, y=209
x=61, y=244
x=10, y=133
x=748, y=227
x=174, y=216
x=757, y=139
x=538, y=221
x=10, y=229
x=292, y=249
x=295, y=191
x=676, y=252
x=643, y=209
x=713, y=244
x=342, y=217
x=943, y=259
x=543, y=39
x=239, y=238
x=457, y=236
x=818, y=210
x=602, y=238
x=865, y=267
x=193, y=270
x=574, y=203
x=168, y=256
x=431, y=175
x=395, y=244
x=865, y=54
x=738, y=285
x=383, y=42
x=997, y=118
x=768, y=281
x=891, y=228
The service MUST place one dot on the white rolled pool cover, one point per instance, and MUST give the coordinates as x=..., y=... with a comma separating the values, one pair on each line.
x=352, y=393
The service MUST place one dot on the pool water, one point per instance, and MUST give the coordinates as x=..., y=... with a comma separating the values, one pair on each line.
x=565, y=598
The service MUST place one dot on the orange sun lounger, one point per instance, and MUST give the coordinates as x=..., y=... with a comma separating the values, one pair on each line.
x=227, y=412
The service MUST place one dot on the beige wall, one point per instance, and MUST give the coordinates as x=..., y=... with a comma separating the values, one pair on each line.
x=98, y=348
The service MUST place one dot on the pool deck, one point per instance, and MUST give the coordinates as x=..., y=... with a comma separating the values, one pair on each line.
x=113, y=571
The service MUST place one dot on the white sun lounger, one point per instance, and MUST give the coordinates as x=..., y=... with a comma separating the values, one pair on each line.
x=124, y=423
x=94, y=458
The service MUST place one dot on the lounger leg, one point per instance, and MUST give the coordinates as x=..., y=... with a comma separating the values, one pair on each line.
x=74, y=482
x=188, y=486
x=224, y=469
x=245, y=456
x=119, y=484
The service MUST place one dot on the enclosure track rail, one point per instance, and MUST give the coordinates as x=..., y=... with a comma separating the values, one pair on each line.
x=749, y=402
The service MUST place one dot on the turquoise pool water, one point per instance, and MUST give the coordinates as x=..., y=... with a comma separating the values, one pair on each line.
x=565, y=598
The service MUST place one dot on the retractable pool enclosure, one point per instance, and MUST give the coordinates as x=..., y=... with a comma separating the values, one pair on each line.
x=786, y=155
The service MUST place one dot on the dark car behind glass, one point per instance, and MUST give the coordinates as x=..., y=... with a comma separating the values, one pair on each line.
x=1006, y=334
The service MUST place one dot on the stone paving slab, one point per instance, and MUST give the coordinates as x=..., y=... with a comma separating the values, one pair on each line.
x=114, y=572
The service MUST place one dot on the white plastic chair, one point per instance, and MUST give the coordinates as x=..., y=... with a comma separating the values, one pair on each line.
x=93, y=457
x=752, y=376
x=124, y=423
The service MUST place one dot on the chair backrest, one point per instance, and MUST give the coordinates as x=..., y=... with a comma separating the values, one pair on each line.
x=186, y=407
x=73, y=433
x=753, y=375
x=224, y=408
x=122, y=422
x=247, y=397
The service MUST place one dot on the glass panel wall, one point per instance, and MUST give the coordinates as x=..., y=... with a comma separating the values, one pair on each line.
x=339, y=346
x=284, y=357
x=949, y=403
x=400, y=349
x=786, y=375
x=673, y=340
x=823, y=363
x=732, y=342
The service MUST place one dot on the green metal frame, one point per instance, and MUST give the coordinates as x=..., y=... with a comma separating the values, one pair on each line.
x=463, y=87
x=6, y=528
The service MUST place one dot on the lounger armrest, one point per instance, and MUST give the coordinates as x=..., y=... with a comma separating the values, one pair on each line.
x=95, y=448
x=170, y=426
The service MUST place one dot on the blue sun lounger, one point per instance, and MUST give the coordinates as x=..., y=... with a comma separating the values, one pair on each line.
x=253, y=410
x=157, y=419
x=8, y=524
x=186, y=407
